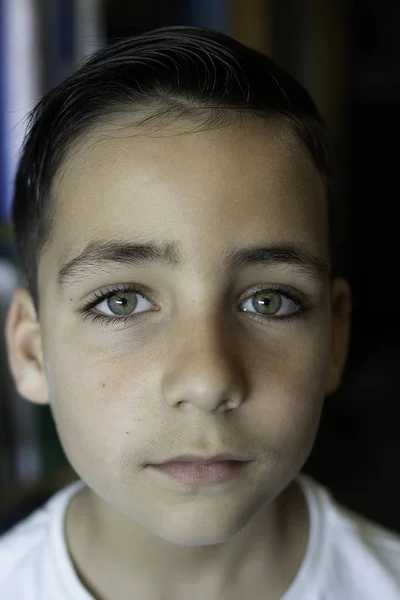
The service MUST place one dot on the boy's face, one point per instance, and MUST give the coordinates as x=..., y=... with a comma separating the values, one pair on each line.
x=191, y=372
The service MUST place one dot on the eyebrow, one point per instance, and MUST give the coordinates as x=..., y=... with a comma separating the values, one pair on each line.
x=108, y=253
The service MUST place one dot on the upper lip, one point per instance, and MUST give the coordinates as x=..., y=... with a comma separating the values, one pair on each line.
x=193, y=458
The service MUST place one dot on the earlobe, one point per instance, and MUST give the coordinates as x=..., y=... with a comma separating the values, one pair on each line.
x=24, y=348
x=340, y=332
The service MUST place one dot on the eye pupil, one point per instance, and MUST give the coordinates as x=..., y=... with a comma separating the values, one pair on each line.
x=122, y=304
x=267, y=303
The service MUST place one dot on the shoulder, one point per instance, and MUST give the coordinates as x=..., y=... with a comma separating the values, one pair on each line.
x=365, y=540
x=28, y=550
x=21, y=547
x=356, y=557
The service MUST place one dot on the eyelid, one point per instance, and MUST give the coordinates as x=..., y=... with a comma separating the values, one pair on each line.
x=283, y=289
x=104, y=293
x=283, y=296
x=135, y=312
x=99, y=296
x=108, y=291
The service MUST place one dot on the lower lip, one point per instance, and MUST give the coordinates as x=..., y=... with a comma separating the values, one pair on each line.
x=203, y=474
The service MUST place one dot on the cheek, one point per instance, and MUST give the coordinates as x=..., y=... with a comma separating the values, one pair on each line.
x=107, y=401
x=101, y=409
x=289, y=387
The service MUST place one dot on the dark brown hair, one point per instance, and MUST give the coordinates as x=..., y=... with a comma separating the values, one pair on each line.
x=171, y=71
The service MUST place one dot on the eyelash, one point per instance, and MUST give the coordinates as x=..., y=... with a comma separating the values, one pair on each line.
x=304, y=305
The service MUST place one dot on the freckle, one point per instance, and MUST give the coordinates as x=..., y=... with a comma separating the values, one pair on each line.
x=127, y=432
x=103, y=385
x=71, y=299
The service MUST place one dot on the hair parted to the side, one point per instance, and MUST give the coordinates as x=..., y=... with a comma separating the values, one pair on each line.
x=172, y=71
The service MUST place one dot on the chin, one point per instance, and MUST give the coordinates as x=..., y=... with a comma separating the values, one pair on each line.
x=201, y=530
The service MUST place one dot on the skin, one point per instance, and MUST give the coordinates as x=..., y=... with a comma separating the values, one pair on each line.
x=195, y=373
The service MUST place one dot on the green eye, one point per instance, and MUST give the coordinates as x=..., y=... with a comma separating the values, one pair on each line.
x=122, y=304
x=272, y=303
x=267, y=303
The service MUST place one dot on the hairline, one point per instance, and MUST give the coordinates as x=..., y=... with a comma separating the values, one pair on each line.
x=283, y=124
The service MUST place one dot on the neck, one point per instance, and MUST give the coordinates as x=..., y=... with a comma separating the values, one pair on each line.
x=106, y=549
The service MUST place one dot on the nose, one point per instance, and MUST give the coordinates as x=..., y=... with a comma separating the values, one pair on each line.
x=203, y=369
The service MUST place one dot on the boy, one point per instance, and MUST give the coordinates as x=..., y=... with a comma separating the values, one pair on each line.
x=174, y=211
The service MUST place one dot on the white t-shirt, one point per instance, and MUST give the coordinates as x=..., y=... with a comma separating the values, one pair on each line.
x=348, y=557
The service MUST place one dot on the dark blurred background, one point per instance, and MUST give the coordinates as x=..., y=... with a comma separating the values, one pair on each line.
x=347, y=54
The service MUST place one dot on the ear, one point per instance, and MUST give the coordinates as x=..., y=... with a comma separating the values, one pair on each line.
x=24, y=347
x=340, y=331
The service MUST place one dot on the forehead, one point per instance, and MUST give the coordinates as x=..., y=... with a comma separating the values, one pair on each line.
x=206, y=189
